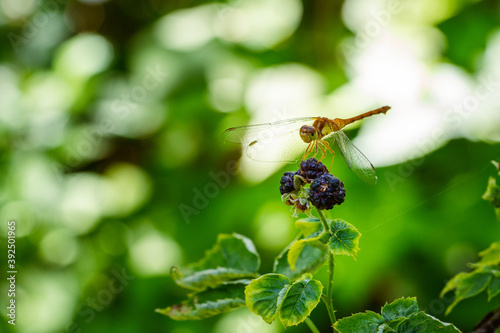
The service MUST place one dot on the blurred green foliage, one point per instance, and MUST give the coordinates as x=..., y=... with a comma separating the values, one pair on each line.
x=111, y=114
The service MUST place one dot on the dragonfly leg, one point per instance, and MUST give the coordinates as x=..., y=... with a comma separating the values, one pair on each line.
x=308, y=150
x=323, y=151
x=327, y=146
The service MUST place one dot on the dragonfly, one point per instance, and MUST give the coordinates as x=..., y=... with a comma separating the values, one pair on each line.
x=291, y=140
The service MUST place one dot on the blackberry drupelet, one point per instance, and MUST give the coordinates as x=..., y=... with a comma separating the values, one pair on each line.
x=326, y=191
x=311, y=168
x=287, y=183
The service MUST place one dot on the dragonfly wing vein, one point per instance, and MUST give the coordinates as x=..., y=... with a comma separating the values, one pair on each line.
x=353, y=157
x=250, y=133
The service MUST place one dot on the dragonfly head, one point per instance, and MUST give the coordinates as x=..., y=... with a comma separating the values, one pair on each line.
x=308, y=133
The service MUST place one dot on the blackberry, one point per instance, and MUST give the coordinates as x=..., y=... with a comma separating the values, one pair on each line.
x=311, y=168
x=326, y=191
x=287, y=183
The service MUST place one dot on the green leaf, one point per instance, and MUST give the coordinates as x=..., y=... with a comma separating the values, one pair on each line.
x=422, y=322
x=494, y=287
x=301, y=299
x=402, y=307
x=345, y=239
x=385, y=328
x=233, y=257
x=210, y=302
x=360, y=323
x=490, y=256
x=496, y=165
x=308, y=225
x=400, y=316
x=265, y=294
x=273, y=294
x=492, y=195
x=466, y=285
x=317, y=240
x=310, y=260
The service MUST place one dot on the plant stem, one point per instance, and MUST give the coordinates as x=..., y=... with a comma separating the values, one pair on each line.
x=330, y=287
x=328, y=299
x=311, y=325
x=323, y=220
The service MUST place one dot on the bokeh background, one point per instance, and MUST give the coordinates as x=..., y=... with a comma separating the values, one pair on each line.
x=111, y=115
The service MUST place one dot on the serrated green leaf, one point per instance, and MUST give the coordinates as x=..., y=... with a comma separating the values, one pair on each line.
x=210, y=302
x=402, y=307
x=233, y=257
x=494, y=287
x=265, y=294
x=308, y=225
x=368, y=321
x=385, y=328
x=345, y=238
x=492, y=195
x=317, y=240
x=466, y=285
x=393, y=324
x=301, y=299
x=490, y=256
x=400, y=316
x=422, y=322
x=310, y=260
x=453, y=283
x=496, y=165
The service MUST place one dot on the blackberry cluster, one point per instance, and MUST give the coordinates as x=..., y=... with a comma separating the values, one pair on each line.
x=287, y=183
x=311, y=168
x=326, y=191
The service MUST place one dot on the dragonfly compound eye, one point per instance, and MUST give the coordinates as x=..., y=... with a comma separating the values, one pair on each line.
x=308, y=133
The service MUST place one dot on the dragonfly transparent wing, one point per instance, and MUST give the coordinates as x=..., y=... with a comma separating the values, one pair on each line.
x=354, y=158
x=272, y=142
x=250, y=133
x=288, y=147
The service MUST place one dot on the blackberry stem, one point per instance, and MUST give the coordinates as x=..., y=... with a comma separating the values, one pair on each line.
x=311, y=325
x=328, y=298
x=323, y=220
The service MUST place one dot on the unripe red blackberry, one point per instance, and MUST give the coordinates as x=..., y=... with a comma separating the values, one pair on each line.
x=311, y=168
x=326, y=191
x=287, y=183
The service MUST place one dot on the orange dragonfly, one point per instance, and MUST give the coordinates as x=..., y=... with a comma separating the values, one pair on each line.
x=288, y=140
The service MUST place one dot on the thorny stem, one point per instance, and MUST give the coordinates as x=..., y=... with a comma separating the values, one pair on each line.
x=323, y=220
x=328, y=298
x=311, y=325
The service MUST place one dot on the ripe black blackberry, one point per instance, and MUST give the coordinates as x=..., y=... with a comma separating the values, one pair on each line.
x=287, y=183
x=326, y=191
x=311, y=168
